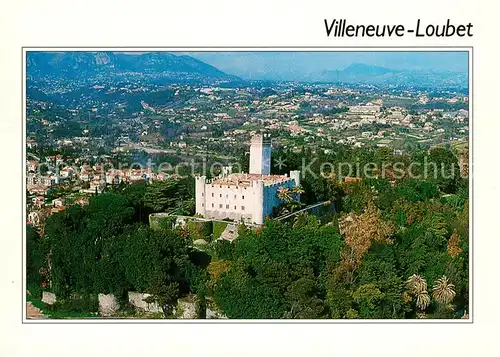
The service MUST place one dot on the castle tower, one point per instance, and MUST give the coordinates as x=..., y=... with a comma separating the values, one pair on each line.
x=200, y=195
x=258, y=209
x=295, y=175
x=260, y=155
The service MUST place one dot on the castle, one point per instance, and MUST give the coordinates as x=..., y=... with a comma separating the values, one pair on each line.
x=248, y=197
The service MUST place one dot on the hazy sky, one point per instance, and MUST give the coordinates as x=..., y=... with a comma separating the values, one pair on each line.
x=293, y=65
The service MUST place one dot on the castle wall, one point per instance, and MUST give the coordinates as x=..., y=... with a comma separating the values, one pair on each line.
x=248, y=203
x=233, y=202
x=271, y=199
x=200, y=195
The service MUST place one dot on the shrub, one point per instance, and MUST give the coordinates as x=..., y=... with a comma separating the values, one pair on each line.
x=219, y=227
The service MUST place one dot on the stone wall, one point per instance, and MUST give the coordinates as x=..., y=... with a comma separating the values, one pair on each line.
x=188, y=309
x=214, y=314
x=137, y=300
x=200, y=229
x=159, y=221
x=212, y=311
x=108, y=305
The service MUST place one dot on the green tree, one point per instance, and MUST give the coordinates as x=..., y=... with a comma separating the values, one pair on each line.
x=163, y=292
x=36, y=260
x=175, y=194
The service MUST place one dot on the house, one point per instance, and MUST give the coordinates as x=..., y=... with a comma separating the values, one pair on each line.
x=47, y=181
x=31, y=144
x=66, y=172
x=32, y=165
x=86, y=176
x=58, y=202
x=82, y=201
x=38, y=201
x=57, y=209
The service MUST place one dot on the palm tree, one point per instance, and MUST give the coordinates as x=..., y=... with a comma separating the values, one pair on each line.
x=298, y=189
x=284, y=194
x=443, y=291
x=417, y=287
x=423, y=300
x=416, y=283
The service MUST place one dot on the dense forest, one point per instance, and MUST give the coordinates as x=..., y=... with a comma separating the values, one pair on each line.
x=394, y=247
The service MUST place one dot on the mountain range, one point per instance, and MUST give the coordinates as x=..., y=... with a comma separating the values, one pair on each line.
x=185, y=68
x=375, y=75
x=74, y=65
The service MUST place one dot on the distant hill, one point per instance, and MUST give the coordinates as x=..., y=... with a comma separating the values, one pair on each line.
x=174, y=68
x=75, y=65
x=363, y=73
x=366, y=70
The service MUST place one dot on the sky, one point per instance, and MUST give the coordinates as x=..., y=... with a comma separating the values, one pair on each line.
x=294, y=65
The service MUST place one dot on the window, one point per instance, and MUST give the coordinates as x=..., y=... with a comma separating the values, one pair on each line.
x=212, y=194
x=242, y=197
x=220, y=195
x=226, y=196
x=220, y=205
x=234, y=196
x=242, y=208
x=227, y=206
x=202, y=205
x=202, y=194
x=235, y=208
x=212, y=205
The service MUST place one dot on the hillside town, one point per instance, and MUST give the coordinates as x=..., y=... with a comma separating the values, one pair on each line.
x=214, y=121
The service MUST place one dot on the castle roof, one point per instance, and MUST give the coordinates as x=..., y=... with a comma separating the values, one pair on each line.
x=241, y=179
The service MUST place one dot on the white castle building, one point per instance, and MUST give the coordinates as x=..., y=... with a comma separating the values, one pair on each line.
x=244, y=197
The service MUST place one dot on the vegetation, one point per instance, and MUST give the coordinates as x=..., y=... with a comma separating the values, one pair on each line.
x=394, y=248
x=218, y=229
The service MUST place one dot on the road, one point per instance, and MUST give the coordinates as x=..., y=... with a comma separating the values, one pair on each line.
x=303, y=210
